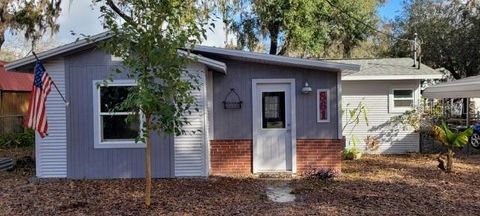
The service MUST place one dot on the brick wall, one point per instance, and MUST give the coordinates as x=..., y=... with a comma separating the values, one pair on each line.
x=231, y=157
x=319, y=154
x=234, y=157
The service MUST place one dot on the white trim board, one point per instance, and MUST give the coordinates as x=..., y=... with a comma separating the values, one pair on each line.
x=51, y=151
x=392, y=109
x=391, y=77
x=97, y=128
x=339, y=106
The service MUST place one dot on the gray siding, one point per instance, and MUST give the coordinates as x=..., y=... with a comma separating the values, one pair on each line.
x=237, y=124
x=83, y=160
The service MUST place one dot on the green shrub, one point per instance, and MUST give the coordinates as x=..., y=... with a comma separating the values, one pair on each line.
x=351, y=153
x=15, y=140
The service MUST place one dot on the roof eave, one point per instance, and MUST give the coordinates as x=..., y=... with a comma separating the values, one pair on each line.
x=58, y=50
x=280, y=60
x=210, y=63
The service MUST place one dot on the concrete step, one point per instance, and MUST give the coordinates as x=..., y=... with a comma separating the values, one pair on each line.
x=274, y=175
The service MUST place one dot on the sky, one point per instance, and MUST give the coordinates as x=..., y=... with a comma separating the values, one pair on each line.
x=81, y=17
x=391, y=9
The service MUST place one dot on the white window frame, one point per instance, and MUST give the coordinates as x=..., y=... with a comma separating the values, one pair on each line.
x=392, y=99
x=318, y=106
x=98, y=129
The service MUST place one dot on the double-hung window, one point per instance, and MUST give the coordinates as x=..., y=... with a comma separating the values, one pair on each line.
x=111, y=127
x=401, y=100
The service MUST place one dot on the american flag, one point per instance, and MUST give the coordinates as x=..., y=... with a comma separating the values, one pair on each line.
x=42, y=84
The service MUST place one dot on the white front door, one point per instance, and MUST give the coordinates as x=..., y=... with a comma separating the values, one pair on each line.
x=272, y=126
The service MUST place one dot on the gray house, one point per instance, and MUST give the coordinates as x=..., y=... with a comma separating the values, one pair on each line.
x=258, y=113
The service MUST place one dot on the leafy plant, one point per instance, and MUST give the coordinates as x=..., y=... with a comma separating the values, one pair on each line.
x=17, y=140
x=372, y=143
x=351, y=153
x=451, y=140
x=321, y=174
x=421, y=118
x=147, y=35
x=353, y=117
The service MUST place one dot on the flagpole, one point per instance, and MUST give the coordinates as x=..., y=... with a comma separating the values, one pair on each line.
x=54, y=85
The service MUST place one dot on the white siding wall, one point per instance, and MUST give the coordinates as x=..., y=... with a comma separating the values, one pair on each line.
x=191, y=149
x=51, y=151
x=375, y=94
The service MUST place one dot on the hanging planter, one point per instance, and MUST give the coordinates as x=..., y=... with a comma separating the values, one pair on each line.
x=232, y=100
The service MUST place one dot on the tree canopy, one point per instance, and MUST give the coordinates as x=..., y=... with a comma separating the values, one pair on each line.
x=448, y=31
x=30, y=17
x=303, y=28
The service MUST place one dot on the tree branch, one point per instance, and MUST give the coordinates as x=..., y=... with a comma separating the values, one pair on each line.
x=117, y=10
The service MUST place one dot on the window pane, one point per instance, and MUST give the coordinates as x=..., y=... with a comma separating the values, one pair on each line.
x=115, y=127
x=403, y=103
x=273, y=109
x=111, y=96
x=402, y=93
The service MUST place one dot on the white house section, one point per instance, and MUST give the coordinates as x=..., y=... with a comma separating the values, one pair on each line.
x=51, y=151
x=191, y=148
x=376, y=96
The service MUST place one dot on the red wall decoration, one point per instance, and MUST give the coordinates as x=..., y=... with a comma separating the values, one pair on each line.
x=322, y=105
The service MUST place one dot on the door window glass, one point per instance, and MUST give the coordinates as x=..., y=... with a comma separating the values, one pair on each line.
x=273, y=109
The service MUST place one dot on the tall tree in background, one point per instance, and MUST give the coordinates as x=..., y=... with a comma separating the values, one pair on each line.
x=30, y=17
x=353, y=22
x=146, y=35
x=226, y=10
x=304, y=28
x=448, y=30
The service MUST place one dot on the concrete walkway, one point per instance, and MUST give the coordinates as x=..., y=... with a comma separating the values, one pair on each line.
x=280, y=193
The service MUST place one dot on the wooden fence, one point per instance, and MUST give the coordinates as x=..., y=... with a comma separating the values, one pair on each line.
x=13, y=106
x=12, y=123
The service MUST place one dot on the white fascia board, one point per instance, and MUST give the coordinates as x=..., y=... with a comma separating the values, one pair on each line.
x=58, y=50
x=210, y=63
x=455, y=89
x=393, y=77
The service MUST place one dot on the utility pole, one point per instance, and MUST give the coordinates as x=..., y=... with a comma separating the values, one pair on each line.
x=414, y=50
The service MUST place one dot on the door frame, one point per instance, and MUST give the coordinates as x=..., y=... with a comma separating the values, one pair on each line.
x=293, y=120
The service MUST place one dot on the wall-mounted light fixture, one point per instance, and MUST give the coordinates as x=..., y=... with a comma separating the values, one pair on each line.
x=306, y=89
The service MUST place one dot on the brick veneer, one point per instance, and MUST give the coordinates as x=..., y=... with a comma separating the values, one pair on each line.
x=234, y=157
x=319, y=154
x=231, y=157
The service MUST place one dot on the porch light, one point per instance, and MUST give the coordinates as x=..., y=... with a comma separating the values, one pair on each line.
x=306, y=89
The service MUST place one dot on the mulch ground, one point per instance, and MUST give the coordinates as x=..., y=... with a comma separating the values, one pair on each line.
x=374, y=185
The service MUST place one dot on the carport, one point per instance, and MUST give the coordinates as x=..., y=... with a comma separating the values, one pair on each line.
x=463, y=88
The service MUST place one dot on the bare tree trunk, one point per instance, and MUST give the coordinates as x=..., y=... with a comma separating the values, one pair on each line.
x=148, y=167
x=449, y=160
x=274, y=30
x=2, y=37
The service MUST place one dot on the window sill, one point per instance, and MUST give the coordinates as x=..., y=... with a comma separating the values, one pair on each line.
x=115, y=145
x=399, y=110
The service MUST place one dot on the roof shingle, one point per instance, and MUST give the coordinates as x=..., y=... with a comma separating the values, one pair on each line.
x=383, y=67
